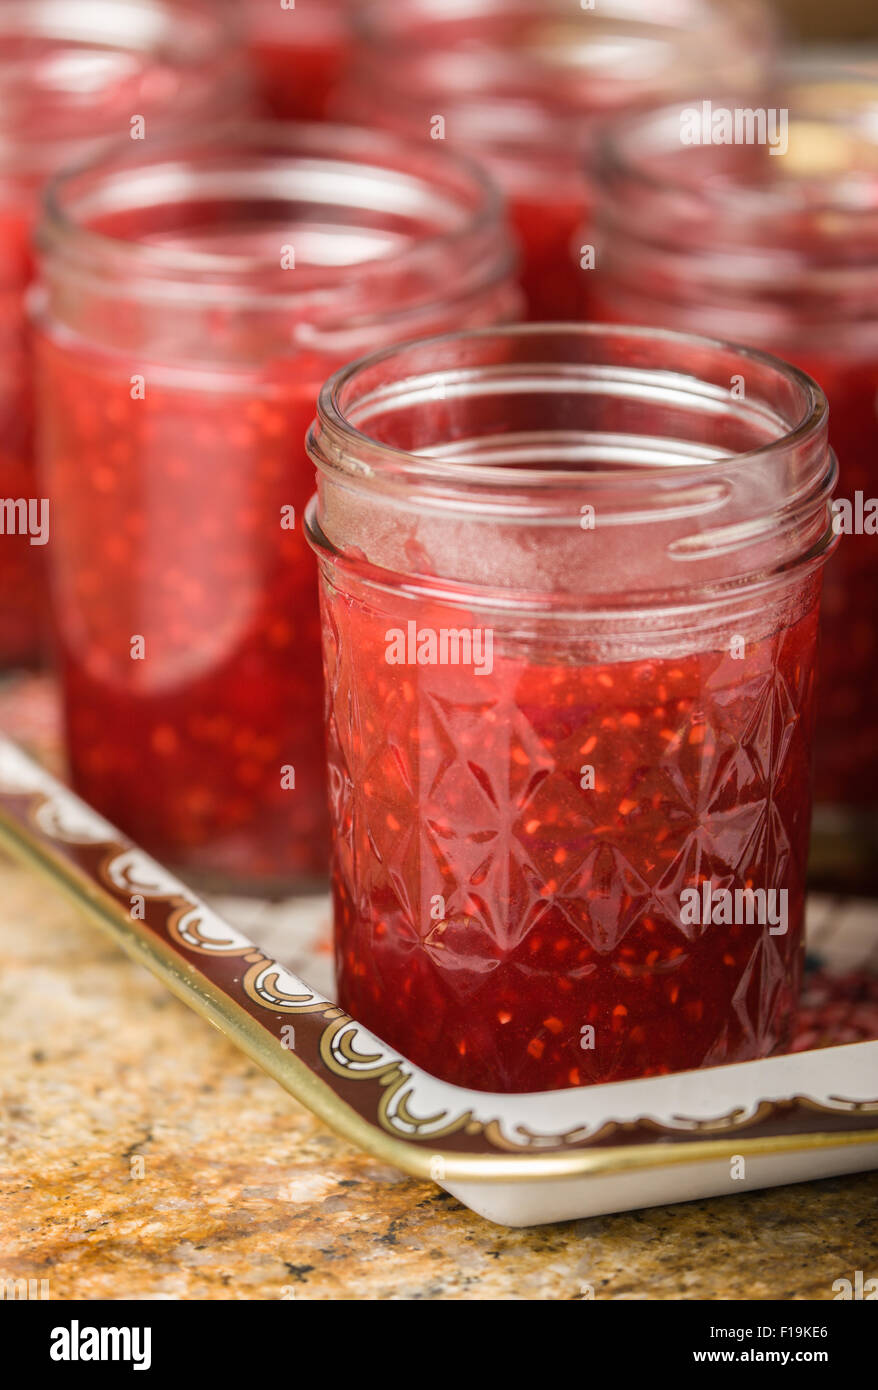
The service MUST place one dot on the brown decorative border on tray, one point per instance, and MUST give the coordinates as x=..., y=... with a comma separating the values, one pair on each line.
x=340, y=1070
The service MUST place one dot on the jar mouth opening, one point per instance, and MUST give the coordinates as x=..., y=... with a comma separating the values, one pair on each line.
x=736, y=174
x=561, y=462
x=268, y=212
x=589, y=369
x=60, y=61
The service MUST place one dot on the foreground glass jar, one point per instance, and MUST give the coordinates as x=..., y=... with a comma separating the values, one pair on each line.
x=194, y=299
x=299, y=53
x=570, y=583
x=780, y=250
x=519, y=84
x=71, y=75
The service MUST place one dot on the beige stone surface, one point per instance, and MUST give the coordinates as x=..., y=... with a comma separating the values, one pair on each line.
x=244, y=1195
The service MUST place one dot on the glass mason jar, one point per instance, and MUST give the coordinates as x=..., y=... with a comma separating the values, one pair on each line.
x=71, y=75
x=570, y=581
x=520, y=84
x=194, y=298
x=299, y=53
x=780, y=251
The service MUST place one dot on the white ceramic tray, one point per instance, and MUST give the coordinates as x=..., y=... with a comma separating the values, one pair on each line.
x=516, y=1159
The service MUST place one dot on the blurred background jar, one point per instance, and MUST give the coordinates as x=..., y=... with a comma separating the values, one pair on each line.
x=519, y=83
x=779, y=249
x=195, y=296
x=71, y=74
x=299, y=50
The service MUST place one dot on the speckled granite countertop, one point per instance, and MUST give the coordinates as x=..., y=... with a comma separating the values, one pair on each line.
x=143, y=1157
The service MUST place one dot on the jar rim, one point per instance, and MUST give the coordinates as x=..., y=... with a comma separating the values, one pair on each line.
x=188, y=35
x=57, y=16
x=472, y=206
x=694, y=489
x=627, y=145
x=333, y=428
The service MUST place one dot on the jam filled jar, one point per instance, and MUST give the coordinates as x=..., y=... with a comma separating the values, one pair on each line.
x=570, y=583
x=520, y=84
x=774, y=242
x=71, y=75
x=299, y=53
x=194, y=298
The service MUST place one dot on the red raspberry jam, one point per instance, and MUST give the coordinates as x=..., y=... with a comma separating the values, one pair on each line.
x=544, y=841
x=183, y=342
x=561, y=908
x=69, y=76
x=520, y=84
x=783, y=253
x=20, y=571
x=173, y=532
x=299, y=53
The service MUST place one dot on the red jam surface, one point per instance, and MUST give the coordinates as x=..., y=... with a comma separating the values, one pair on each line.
x=550, y=233
x=490, y=910
x=168, y=527
x=21, y=589
x=299, y=56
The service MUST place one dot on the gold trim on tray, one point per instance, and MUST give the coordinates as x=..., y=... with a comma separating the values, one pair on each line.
x=340, y=1071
